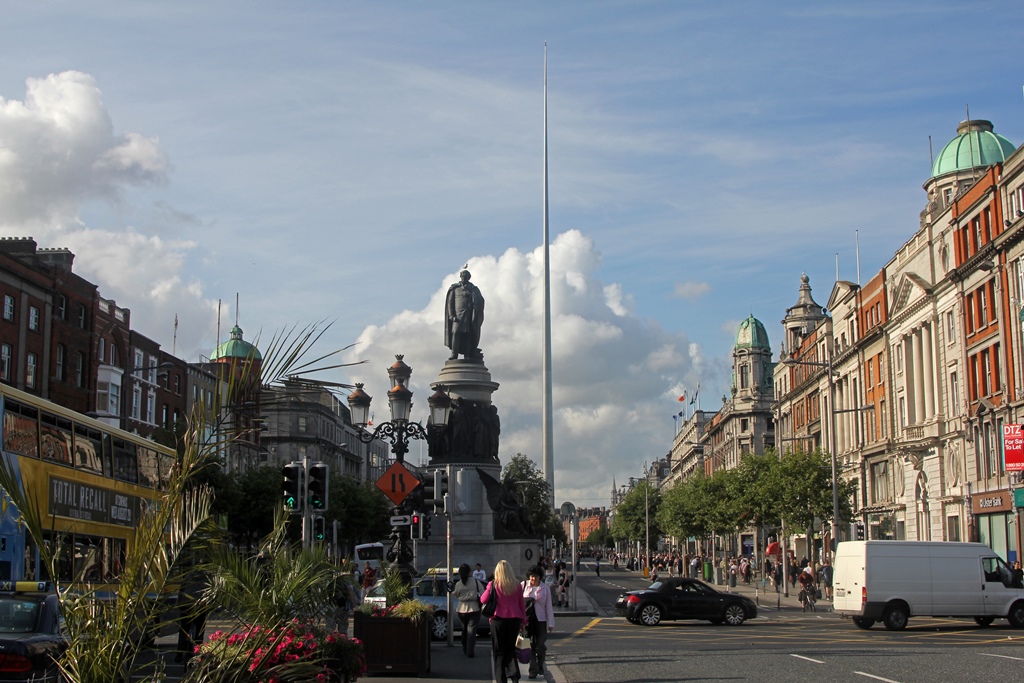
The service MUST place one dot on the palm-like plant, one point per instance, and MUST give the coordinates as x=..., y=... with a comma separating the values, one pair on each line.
x=106, y=636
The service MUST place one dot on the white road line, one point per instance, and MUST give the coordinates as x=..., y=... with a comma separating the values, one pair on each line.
x=985, y=654
x=877, y=678
x=816, y=661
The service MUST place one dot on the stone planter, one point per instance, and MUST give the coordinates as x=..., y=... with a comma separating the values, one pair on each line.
x=394, y=644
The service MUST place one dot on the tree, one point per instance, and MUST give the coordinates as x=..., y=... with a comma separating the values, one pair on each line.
x=637, y=513
x=534, y=493
x=361, y=509
x=252, y=498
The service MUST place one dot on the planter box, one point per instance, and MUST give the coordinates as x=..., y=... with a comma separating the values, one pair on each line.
x=394, y=644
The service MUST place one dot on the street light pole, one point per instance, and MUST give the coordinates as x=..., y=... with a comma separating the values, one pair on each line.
x=647, y=521
x=831, y=434
x=832, y=445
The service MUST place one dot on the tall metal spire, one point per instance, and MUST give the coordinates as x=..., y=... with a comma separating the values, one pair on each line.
x=548, y=457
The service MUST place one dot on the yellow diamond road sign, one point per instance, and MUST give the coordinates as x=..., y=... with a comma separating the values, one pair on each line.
x=397, y=482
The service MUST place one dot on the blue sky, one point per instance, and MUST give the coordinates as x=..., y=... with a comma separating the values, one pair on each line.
x=341, y=161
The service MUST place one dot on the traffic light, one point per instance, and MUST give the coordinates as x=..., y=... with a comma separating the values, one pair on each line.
x=860, y=532
x=292, y=486
x=426, y=500
x=417, y=526
x=424, y=527
x=318, y=476
x=440, y=491
x=319, y=528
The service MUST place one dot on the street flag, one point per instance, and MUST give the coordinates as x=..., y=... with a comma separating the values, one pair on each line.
x=695, y=394
x=682, y=396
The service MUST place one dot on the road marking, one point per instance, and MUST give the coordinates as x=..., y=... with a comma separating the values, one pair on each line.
x=985, y=654
x=816, y=661
x=592, y=624
x=877, y=678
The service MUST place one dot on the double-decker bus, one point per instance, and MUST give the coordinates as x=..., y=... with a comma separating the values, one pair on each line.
x=92, y=482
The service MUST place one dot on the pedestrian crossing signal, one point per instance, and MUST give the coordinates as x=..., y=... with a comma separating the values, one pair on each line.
x=292, y=493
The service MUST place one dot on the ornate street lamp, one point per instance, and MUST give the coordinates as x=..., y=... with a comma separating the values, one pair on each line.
x=399, y=431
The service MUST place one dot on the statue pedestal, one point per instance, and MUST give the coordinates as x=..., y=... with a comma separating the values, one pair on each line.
x=460, y=454
x=466, y=379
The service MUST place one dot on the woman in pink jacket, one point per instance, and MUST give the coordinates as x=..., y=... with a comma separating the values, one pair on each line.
x=508, y=622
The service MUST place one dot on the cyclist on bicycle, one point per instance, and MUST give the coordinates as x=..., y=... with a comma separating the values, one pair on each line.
x=808, y=588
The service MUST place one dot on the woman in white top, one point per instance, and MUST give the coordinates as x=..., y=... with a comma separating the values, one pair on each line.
x=468, y=590
x=541, y=615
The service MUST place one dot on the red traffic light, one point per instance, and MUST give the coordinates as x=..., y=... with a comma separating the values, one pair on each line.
x=415, y=520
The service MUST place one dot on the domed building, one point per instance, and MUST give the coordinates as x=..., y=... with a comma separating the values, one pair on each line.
x=955, y=168
x=237, y=364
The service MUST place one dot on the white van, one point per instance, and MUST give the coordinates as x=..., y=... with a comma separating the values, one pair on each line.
x=890, y=581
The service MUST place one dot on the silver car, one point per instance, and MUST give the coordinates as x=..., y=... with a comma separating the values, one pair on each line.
x=433, y=591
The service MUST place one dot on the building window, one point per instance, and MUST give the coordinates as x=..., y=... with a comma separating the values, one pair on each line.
x=744, y=425
x=881, y=419
x=136, y=402
x=8, y=307
x=33, y=318
x=61, y=352
x=137, y=364
x=982, y=307
x=953, y=528
x=302, y=425
x=880, y=482
x=62, y=307
x=177, y=385
x=744, y=376
x=903, y=413
x=869, y=364
x=954, y=395
x=30, y=371
x=164, y=415
x=151, y=407
x=81, y=317
x=5, y=361
x=986, y=372
x=79, y=369
x=899, y=357
x=950, y=327
x=102, y=348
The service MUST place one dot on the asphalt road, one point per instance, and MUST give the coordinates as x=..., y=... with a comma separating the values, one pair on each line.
x=780, y=645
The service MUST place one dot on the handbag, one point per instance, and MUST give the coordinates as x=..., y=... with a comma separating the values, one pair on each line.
x=523, y=649
x=491, y=605
x=817, y=594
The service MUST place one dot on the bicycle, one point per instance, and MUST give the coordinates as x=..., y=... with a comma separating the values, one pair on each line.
x=808, y=596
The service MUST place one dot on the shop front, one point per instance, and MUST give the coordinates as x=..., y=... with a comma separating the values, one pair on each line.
x=995, y=522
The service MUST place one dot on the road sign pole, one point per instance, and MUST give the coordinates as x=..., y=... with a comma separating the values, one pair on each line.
x=448, y=557
x=306, y=522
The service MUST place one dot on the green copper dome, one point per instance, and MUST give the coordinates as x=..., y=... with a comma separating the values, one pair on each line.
x=752, y=335
x=236, y=347
x=974, y=146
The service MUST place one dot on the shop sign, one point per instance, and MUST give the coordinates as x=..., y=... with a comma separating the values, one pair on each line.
x=993, y=501
x=1013, y=448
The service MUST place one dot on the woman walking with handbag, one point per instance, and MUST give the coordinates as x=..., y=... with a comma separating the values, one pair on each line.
x=468, y=590
x=508, y=618
x=541, y=619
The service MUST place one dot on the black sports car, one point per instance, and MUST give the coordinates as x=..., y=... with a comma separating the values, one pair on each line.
x=31, y=634
x=678, y=598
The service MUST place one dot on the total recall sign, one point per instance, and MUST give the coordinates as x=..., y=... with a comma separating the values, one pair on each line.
x=1013, y=448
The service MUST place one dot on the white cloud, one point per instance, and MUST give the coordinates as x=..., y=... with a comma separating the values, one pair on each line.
x=58, y=151
x=613, y=373
x=691, y=291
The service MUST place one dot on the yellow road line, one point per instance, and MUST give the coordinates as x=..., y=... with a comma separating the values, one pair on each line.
x=592, y=624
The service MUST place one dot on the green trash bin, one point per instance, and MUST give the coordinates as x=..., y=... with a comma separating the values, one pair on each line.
x=709, y=571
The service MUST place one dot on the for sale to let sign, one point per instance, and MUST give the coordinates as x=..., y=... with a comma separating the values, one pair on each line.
x=1013, y=448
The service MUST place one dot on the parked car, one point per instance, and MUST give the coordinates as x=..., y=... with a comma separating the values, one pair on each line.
x=433, y=590
x=678, y=598
x=31, y=632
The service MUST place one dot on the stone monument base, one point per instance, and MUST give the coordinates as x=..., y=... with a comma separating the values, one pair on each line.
x=520, y=553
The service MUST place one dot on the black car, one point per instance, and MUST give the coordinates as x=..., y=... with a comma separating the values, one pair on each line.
x=678, y=598
x=31, y=632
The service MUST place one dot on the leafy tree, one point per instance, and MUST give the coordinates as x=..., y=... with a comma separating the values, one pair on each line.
x=601, y=538
x=640, y=506
x=534, y=493
x=361, y=509
x=251, y=499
